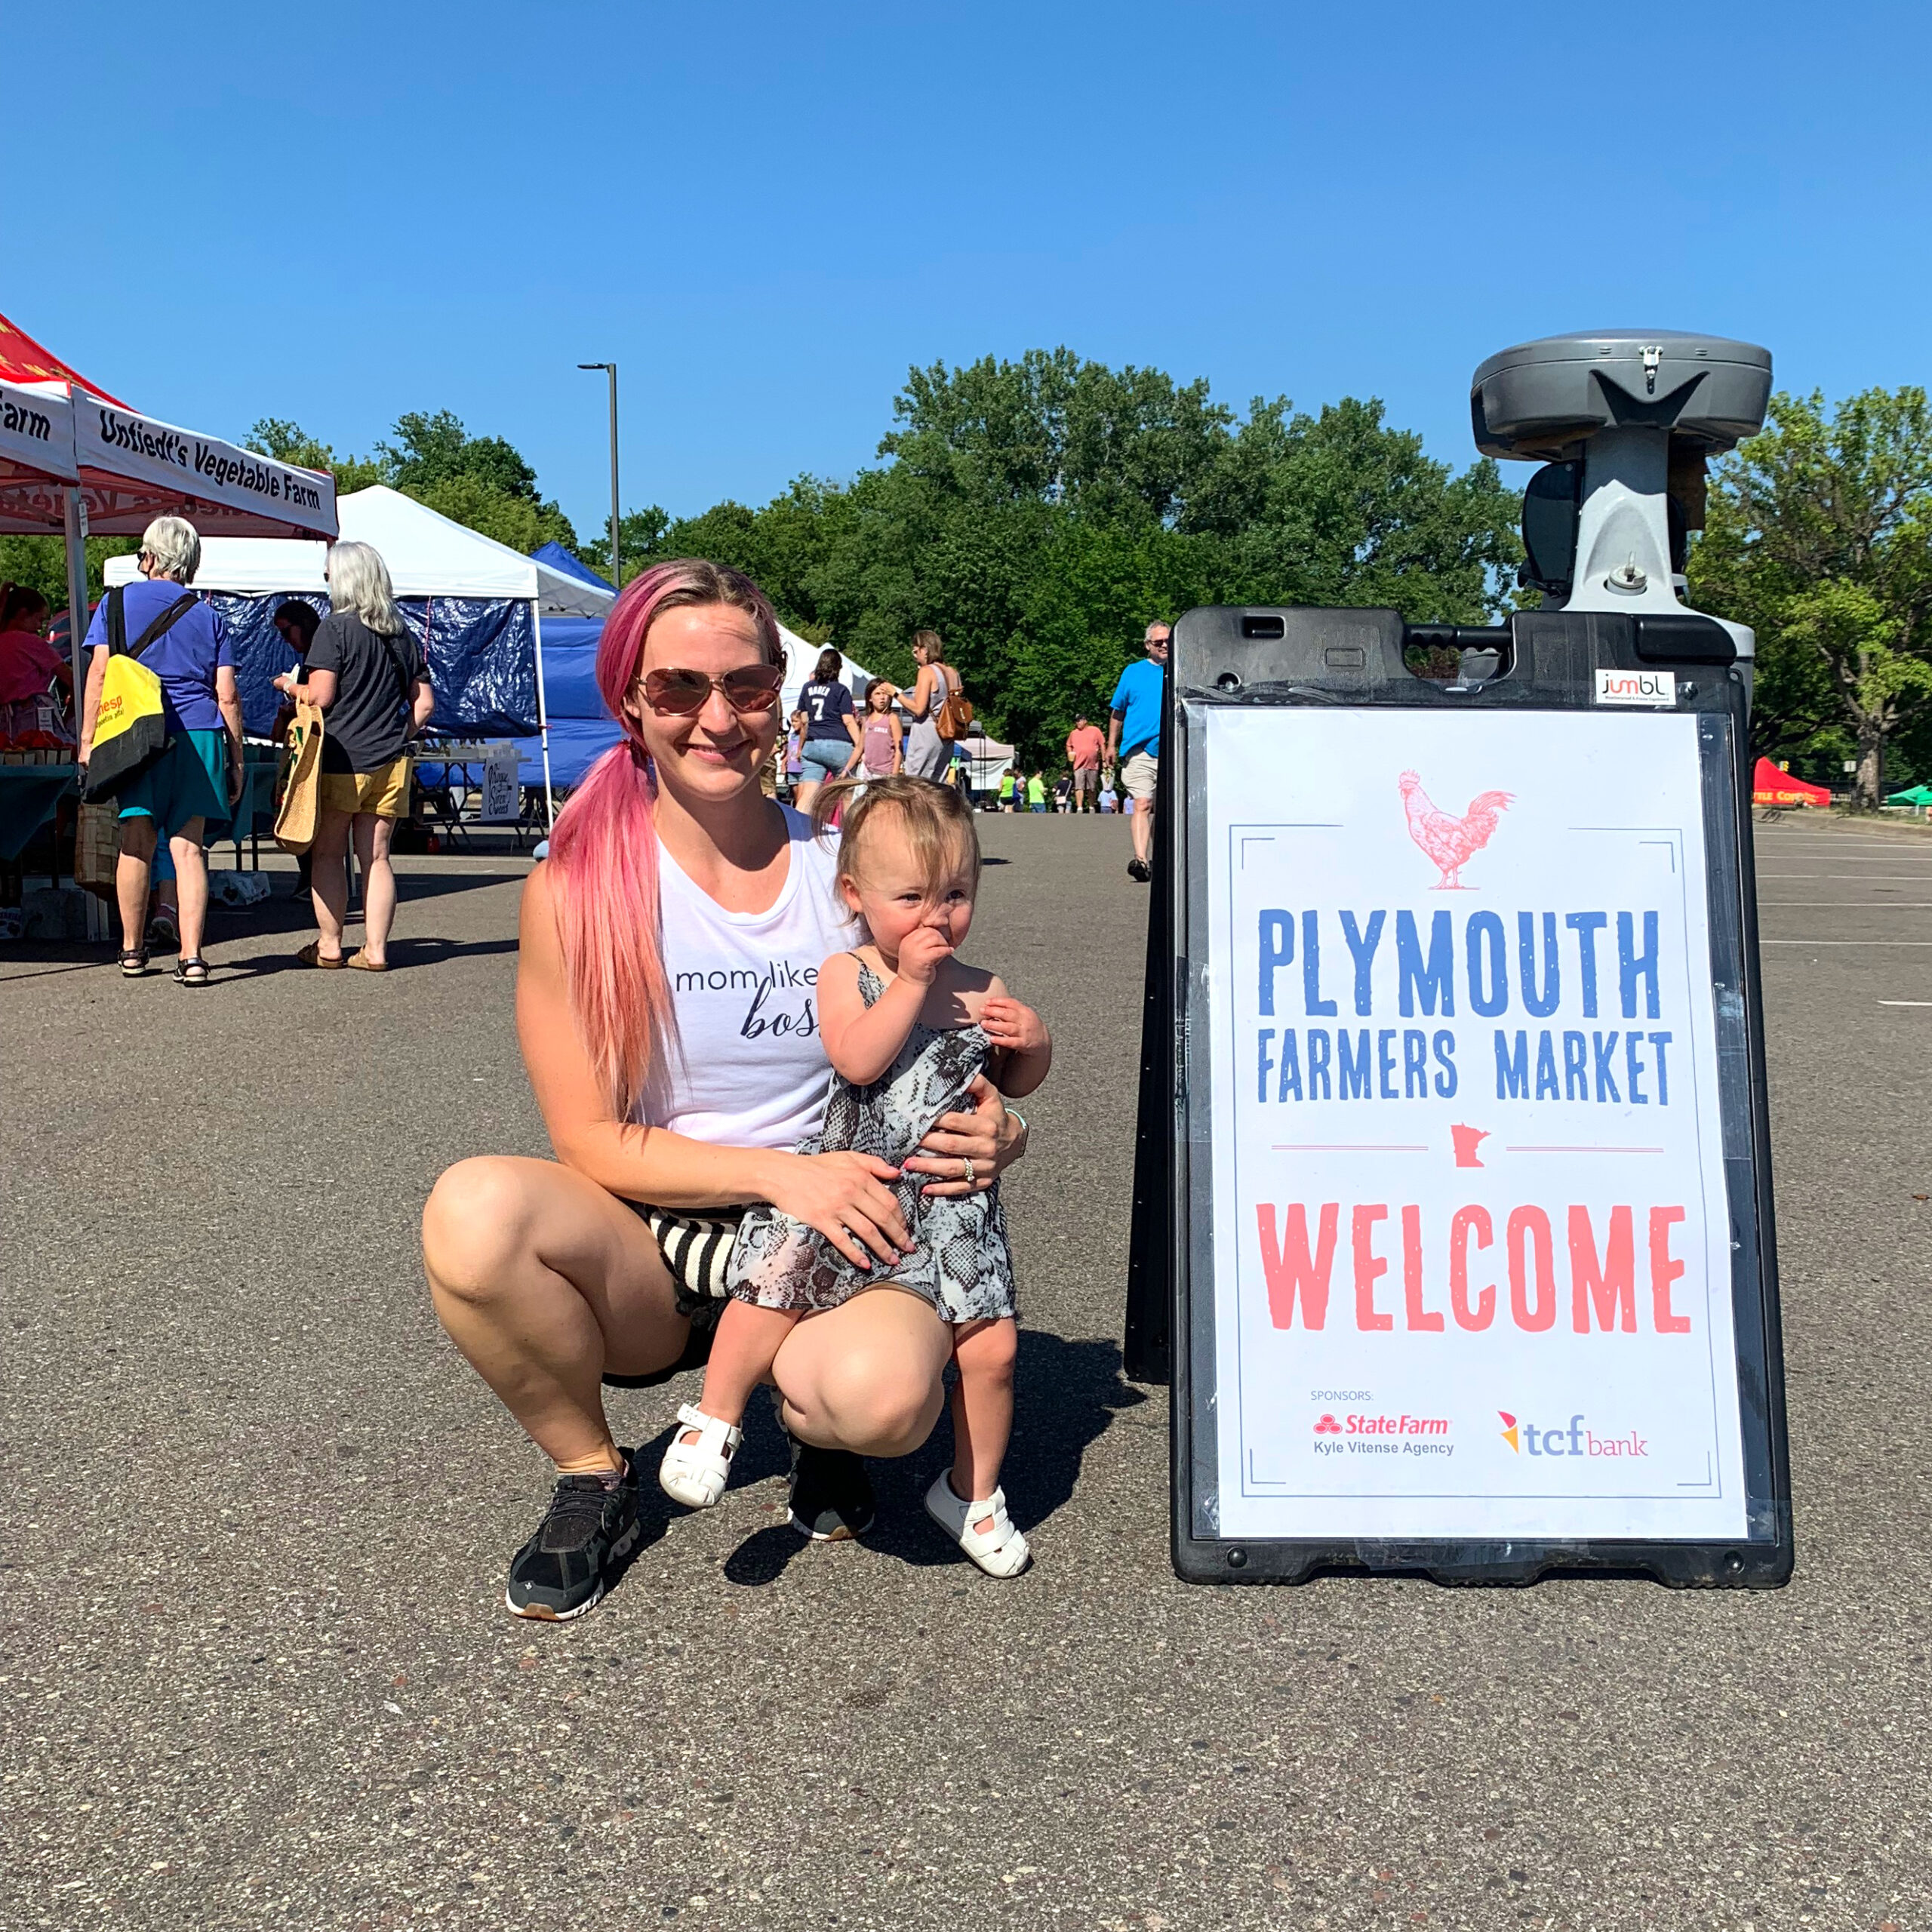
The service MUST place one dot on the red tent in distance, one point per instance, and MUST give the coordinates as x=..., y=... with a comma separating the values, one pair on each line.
x=23, y=360
x=1771, y=786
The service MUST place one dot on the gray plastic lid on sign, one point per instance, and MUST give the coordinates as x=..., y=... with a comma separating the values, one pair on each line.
x=1541, y=400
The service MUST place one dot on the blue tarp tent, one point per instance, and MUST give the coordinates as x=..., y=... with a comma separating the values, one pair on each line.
x=559, y=559
x=581, y=728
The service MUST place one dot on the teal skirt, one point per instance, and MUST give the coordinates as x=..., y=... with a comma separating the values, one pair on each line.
x=188, y=781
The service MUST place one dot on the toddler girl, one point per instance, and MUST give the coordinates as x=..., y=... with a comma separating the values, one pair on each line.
x=906, y=1027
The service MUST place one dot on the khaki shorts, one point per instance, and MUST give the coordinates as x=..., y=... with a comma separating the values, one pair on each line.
x=1137, y=774
x=383, y=793
x=1086, y=778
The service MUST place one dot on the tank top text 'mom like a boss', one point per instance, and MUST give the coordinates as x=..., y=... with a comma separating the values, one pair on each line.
x=748, y=1069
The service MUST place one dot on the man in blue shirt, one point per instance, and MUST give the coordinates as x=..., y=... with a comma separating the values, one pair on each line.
x=1133, y=732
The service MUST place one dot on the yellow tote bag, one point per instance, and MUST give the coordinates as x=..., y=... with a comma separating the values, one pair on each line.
x=301, y=780
x=130, y=732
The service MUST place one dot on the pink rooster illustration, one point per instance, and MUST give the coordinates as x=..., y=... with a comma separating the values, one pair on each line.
x=1451, y=842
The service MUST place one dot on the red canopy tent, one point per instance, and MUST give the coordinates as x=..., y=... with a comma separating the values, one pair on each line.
x=23, y=360
x=1771, y=786
x=118, y=470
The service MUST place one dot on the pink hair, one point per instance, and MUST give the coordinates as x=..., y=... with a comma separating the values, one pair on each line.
x=603, y=852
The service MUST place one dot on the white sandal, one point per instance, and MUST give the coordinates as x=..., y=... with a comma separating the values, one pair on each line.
x=1001, y=1551
x=695, y=1473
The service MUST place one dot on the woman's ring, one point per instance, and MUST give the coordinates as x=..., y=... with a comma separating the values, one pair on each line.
x=967, y=1160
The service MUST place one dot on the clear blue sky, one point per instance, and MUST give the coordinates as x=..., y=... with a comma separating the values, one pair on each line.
x=765, y=213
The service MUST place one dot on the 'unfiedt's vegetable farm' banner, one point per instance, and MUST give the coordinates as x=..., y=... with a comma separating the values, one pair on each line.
x=1472, y=1249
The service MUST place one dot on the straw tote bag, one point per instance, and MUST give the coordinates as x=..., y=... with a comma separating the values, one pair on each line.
x=301, y=780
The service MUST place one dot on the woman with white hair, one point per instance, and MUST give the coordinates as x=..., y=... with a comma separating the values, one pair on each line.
x=366, y=674
x=189, y=791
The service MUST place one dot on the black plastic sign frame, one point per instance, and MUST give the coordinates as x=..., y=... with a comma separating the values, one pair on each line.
x=1299, y=664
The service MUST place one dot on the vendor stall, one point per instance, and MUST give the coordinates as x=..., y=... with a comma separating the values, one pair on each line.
x=1770, y=784
x=122, y=469
x=476, y=608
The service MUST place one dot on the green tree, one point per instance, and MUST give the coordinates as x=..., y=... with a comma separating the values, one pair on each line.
x=482, y=482
x=288, y=442
x=41, y=562
x=1819, y=537
x=1038, y=514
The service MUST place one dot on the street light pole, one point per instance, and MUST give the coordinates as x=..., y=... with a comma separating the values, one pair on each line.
x=610, y=368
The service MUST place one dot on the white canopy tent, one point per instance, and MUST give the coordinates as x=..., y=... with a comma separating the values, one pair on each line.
x=428, y=555
x=801, y=660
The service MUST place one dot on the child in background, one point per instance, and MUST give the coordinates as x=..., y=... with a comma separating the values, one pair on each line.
x=881, y=735
x=907, y=1027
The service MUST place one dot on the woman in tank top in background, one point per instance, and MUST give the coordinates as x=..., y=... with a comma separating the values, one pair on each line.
x=666, y=1007
x=926, y=754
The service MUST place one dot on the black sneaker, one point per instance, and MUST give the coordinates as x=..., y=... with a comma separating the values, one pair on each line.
x=1137, y=868
x=560, y=1572
x=831, y=1495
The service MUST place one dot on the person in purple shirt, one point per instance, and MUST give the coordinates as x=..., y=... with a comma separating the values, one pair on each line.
x=190, y=790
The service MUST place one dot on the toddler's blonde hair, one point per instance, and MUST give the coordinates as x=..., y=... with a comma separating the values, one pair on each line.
x=937, y=823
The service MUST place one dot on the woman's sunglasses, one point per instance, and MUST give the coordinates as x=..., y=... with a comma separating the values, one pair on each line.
x=749, y=690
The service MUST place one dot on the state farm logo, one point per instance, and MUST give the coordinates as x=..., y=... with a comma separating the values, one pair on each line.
x=1578, y=1439
x=1364, y=1435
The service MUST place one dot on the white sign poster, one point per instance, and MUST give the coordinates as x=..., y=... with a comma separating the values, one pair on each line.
x=1472, y=1239
x=502, y=798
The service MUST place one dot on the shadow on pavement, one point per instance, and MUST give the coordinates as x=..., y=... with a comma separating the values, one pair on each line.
x=1067, y=1394
x=404, y=954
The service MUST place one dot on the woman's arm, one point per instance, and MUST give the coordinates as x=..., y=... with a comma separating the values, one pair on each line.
x=858, y=745
x=898, y=744
x=321, y=689
x=227, y=701
x=920, y=702
x=422, y=706
x=91, y=701
x=842, y=1195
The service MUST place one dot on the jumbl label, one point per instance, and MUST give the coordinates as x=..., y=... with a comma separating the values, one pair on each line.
x=1649, y=688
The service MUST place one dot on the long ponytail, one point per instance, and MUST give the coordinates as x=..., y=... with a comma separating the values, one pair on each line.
x=603, y=850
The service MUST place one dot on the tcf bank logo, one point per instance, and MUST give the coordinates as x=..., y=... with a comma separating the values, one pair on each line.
x=1578, y=1439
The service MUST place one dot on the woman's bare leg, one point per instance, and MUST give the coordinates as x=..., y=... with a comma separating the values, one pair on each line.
x=867, y=1376
x=328, y=880
x=191, y=887
x=982, y=1405
x=132, y=867
x=547, y=1283
x=372, y=835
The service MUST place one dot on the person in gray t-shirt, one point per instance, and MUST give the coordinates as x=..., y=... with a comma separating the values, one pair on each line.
x=366, y=673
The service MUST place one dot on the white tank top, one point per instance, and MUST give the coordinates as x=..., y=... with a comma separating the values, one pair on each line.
x=749, y=1069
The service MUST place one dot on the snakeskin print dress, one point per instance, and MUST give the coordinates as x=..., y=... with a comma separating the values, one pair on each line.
x=960, y=1263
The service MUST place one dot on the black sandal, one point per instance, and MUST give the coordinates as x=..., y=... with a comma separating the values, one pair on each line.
x=134, y=964
x=190, y=972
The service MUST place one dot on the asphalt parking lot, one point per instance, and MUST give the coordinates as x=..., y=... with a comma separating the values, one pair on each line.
x=256, y=1671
